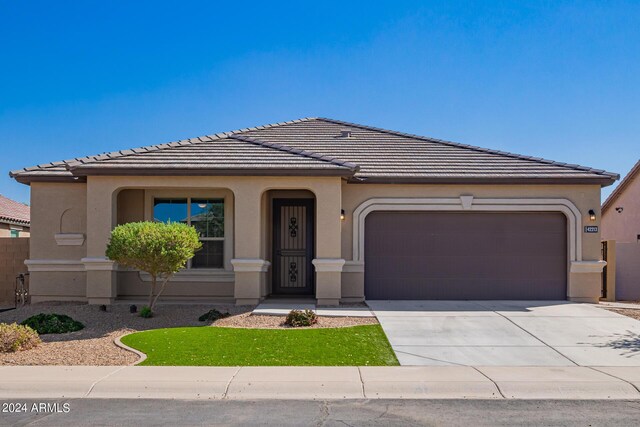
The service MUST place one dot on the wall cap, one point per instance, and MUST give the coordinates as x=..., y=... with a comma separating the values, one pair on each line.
x=54, y=265
x=328, y=264
x=250, y=265
x=98, y=264
x=353, y=267
x=587, y=266
x=193, y=275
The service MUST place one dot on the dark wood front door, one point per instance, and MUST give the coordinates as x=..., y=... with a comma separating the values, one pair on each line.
x=293, y=237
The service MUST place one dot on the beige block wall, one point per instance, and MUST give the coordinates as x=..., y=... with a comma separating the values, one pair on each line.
x=13, y=252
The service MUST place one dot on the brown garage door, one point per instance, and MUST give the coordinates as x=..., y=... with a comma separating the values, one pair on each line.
x=461, y=255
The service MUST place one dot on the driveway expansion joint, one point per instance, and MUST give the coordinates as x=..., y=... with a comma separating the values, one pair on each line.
x=529, y=333
x=616, y=377
x=490, y=379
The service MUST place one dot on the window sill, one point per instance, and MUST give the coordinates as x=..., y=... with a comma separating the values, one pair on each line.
x=197, y=275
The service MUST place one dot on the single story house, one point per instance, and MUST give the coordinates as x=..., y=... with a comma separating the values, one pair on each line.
x=322, y=208
x=621, y=224
x=15, y=219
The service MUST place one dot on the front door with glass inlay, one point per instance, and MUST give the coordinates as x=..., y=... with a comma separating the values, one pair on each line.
x=293, y=235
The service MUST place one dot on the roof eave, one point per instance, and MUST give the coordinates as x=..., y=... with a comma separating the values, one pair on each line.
x=14, y=221
x=602, y=181
x=621, y=187
x=81, y=172
x=28, y=179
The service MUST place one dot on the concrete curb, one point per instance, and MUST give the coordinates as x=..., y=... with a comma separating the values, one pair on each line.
x=141, y=355
x=319, y=383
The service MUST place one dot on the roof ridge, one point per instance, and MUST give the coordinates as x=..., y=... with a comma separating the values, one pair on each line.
x=620, y=188
x=297, y=151
x=149, y=148
x=475, y=148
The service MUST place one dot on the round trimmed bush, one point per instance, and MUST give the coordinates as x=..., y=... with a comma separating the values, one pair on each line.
x=52, y=323
x=297, y=318
x=14, y=337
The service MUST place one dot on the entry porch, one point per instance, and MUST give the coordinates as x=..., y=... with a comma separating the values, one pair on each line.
x=261, y=236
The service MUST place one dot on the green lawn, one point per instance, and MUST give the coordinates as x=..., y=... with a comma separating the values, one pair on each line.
x=213, y=346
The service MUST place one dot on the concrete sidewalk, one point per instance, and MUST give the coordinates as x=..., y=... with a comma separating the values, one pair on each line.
x=293, y=383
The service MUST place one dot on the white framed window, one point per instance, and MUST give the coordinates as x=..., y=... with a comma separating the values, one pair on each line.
x=207, y=216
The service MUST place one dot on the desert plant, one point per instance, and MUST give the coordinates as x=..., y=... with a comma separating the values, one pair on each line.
x=52, y=323
x=14, y=337
x=146, y=312
x=212, y=315
x=160, y=249
x=297, y=318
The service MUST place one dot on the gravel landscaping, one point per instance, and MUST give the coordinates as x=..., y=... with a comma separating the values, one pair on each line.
x=94, y=344
x=629, y=312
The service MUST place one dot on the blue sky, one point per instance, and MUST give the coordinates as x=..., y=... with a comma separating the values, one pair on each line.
x=554, y=79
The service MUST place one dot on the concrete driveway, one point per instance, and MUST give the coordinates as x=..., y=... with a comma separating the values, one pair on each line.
x=508, y=333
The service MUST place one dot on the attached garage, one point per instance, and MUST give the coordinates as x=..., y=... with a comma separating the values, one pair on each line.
x=466, y=255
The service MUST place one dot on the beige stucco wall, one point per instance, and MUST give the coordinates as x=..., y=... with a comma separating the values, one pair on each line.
x=56, y=208
x=584, y=197
x=624, y=227
x=94, y=208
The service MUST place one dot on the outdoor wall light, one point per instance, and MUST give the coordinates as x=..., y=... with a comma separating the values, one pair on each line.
x=592, y=215
x=619, y=209
x=342, y=215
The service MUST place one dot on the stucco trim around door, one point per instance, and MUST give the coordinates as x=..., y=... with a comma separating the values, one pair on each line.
x=469, y=203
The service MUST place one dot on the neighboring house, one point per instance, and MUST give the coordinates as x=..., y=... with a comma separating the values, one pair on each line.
x=14, y=218
x=325, y=209
x=621, y=222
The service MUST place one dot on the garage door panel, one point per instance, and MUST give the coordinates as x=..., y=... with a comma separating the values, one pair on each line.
x=447, y=255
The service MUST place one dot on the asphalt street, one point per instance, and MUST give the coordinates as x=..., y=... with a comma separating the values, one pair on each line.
x=140, y=412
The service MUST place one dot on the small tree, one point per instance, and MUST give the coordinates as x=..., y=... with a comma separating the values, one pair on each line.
x=160, y=249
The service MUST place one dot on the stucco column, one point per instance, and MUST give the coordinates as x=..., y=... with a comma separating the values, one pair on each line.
x=328, y=262
x=101, y=218
x=585, y=281
x=248, y=263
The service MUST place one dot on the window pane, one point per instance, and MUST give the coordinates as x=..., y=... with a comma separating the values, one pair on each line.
x=210, y=256
x=15, y=233
x=174, y=210
x=207, y=216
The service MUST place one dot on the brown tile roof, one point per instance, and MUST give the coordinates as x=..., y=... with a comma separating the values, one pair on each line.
x=635, y=170
x=14, y=212
x=315, y=146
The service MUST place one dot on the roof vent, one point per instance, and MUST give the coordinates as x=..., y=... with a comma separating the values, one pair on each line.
x=345, y=133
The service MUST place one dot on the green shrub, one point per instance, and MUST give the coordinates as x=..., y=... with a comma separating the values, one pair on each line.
x=212, y=316
x=297, y=318
x=14, y=337
x=51, y=323
x=146, y=312
x=158, y=248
